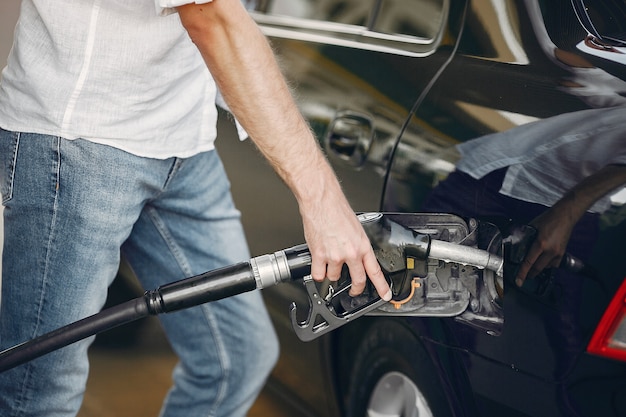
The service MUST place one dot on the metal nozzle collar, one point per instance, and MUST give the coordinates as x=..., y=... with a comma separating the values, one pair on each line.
x=270, y=270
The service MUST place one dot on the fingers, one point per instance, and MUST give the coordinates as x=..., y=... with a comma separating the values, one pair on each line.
x=369, y=267
x=372, y=268
x=318, y=268
x=323, y=267
x=520, y=278
x=534, y=263
x=358, y=277
x=333, y=270
x=360, y=268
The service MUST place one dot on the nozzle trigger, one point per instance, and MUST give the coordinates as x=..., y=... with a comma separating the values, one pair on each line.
x=323, y=317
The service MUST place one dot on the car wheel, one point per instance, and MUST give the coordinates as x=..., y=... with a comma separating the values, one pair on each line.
x=394, y=376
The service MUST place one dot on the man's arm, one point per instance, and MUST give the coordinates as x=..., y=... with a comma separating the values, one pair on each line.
x=245, y=70
x=554, y=226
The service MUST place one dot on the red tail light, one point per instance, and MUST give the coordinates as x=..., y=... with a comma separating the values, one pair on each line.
x=609, y=339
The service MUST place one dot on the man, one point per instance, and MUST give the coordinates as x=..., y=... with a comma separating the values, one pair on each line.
x=108, y=121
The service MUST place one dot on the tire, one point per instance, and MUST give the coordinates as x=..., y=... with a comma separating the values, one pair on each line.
x=393, y=376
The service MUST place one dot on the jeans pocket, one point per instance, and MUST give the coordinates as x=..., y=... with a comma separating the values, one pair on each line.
x=9, y=142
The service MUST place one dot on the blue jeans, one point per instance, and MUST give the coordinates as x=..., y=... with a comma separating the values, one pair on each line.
x=71, y=207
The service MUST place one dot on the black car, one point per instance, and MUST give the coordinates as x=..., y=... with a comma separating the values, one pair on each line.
x=390, y=87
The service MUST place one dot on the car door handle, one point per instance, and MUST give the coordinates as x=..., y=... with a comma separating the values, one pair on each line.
x=349, y=137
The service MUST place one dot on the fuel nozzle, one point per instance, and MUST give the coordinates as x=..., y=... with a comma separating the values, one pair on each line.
x=257, y=273
x=397, y=246
x=400, y=250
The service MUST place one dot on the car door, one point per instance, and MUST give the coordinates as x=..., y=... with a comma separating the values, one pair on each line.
x=520, y=62
x=357, y=68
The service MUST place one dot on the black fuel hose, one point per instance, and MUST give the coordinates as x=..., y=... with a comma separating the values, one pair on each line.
x=105, y=320
x=257, y=273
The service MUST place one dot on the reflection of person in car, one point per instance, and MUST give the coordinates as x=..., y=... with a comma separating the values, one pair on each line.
x=107, y=136
x=555, y=225
x=555, y=174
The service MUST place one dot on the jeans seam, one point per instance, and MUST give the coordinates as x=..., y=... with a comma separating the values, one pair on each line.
x=224, y=361
x=173, y=170
x=11, y=170
x=52, y=230
x=28, y=367
x=182, y=262
x=170, y=242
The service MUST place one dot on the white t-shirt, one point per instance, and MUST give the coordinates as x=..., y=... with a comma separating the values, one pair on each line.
x=117, y=72
x=547, y=158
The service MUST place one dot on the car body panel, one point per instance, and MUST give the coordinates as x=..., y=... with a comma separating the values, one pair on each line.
x=400, y=107
x=470, y=100
x=356, y=84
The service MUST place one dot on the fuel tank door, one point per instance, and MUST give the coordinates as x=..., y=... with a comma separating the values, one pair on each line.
x=464, y=283
x=437, y=265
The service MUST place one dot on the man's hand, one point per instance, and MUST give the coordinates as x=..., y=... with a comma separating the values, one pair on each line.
x=554, y=227
x=335, y=237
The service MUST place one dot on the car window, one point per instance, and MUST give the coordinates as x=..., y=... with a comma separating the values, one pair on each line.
x=420, y=19
x=409, y=26
x=350, y=12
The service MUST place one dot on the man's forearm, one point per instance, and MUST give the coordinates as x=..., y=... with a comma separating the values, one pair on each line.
x=243, y=65
x=555, y=225
x=581, y=197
